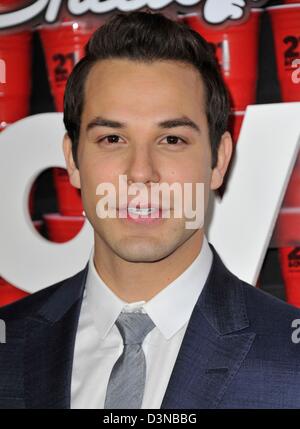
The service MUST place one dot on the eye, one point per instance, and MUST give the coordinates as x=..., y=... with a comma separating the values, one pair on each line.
x=171, y=140
x=111, y=139
x=174, y=140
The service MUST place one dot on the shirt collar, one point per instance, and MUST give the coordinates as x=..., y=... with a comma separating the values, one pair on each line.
x=178, y=297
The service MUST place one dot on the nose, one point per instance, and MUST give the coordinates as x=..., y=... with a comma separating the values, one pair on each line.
x=142, y=166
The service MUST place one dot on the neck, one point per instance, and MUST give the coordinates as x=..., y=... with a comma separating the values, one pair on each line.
x=132, y=281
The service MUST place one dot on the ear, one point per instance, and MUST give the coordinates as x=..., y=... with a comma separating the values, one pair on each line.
x=224, y=156
x=70, y=164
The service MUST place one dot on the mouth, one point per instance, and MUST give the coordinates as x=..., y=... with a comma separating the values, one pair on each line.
x=146, y=215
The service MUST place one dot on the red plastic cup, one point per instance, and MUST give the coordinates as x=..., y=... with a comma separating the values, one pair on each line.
x=63, y=46
x=9, y=293
x=287, y=227
x=68, y=197
x=38, y=224
x=235, y=124
x=15, y=75
x=286, y=33
x=292, y=195
x=289, y=258
x=7, y=5
x=236, y=47
x=3, y=125
x=62, y=228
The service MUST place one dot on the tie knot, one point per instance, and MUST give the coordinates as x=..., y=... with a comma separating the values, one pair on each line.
x=134, y=327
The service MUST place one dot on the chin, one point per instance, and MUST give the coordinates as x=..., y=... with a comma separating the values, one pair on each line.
x=142, y=253
x=141, y=258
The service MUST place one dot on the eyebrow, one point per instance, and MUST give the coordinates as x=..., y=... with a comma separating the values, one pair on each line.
x=183, y=121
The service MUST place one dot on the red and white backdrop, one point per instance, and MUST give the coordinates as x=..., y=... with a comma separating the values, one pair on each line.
x=257, y=44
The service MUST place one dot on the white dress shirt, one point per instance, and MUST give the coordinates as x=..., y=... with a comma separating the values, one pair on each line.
x=99, y=344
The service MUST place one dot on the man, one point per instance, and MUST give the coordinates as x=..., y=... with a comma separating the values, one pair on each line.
x=155, y=319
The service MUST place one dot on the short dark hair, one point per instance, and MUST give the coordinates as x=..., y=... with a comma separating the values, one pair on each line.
x=146, y=37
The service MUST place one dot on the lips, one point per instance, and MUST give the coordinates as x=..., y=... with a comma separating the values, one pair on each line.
x=129, y=213
x=140, y=206
x=143, y=213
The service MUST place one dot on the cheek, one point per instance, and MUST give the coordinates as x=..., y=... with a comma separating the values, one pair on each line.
x=191, y=171
x=91, y=178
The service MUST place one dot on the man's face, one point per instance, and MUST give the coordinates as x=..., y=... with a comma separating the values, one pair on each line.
x=141, y=96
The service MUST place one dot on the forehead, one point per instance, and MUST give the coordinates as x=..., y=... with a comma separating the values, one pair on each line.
x=138, y=87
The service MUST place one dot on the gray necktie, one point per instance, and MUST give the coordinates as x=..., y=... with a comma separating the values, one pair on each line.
x=127, y=379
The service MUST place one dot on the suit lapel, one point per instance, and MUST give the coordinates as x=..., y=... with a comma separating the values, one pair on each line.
x=49, y=346
x=213, y=347
x=211, y=352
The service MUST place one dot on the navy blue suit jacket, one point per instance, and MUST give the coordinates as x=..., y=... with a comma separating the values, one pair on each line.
x=237, y=351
